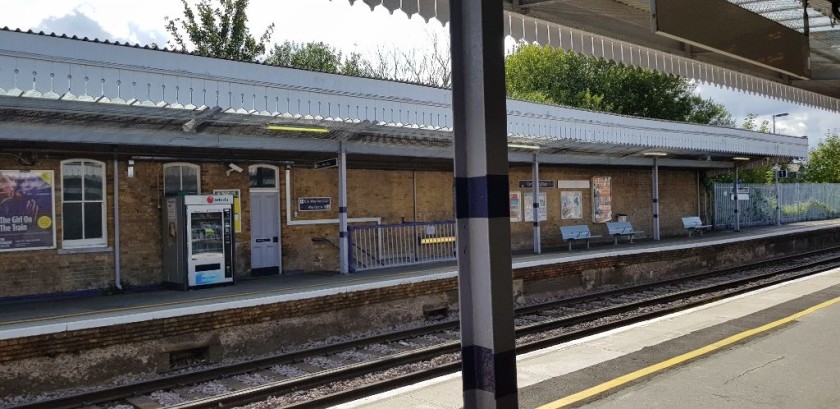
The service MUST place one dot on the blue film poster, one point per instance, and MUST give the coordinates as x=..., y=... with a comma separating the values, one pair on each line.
x=27, y=215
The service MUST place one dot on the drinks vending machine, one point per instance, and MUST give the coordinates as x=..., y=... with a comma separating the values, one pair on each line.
x=198, y=242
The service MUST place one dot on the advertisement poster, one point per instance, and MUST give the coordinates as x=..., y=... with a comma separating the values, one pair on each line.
x=570, y=204
x=529, y=207
x=601, y=199
x=237, y=207
x=515, y=206
x=26, y=210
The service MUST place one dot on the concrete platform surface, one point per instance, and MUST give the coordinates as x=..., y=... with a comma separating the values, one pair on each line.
x=795, y=365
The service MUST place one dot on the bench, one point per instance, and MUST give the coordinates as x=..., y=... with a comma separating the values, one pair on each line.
x=693, y=223
x=580, y=232
x=621, y=229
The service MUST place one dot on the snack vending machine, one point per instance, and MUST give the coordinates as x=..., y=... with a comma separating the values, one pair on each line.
x=198, y=242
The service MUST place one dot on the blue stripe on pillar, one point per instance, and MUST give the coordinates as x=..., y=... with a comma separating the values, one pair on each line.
x=342, y=209
x=489, y=370
x=536, y=224
x=342, y=234
x=536, y=205
x=472, y=197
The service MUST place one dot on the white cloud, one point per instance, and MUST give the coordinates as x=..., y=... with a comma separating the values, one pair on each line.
x=800, y=120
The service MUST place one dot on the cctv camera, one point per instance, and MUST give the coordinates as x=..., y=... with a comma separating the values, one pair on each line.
x=234, y=168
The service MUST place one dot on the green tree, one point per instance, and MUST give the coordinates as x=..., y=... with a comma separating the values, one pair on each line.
x=751, y=125
x=318, y=56
x=823, y=164
x=545, y=74
x=217, y=31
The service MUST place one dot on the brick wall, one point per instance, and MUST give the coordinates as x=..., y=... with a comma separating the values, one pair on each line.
x=388, y=195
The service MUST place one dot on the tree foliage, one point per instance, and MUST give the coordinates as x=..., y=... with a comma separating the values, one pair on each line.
x=823, y=164
x=546, y=74
x=751, y=124
x=217, y=31
x=431, y=67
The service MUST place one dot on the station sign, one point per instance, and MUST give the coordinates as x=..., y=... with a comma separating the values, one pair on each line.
x=314, y=204
x=324, y=164
x=530, y=183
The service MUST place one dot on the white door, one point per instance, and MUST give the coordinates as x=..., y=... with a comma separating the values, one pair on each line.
x=265, y=233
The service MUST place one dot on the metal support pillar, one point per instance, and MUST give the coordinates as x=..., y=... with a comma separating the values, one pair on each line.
x=536, y=191
x=117, y=269
x=344, y=263
x=485, y=284
x=655, y=199
x=737, y=202
x=776, y=170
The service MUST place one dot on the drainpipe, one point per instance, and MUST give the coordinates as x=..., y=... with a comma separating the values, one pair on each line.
x=117, y=272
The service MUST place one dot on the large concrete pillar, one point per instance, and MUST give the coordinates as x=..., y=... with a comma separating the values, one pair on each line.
x=481, y=199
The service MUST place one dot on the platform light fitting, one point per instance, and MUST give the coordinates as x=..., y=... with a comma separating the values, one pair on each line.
x=740, y=158
x=516, y=145
x=657, y=154
x=275, y=127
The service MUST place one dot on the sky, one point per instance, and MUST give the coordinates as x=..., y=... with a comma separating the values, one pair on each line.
x=349, y=28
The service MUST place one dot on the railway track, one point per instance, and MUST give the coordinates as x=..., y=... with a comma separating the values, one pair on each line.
x=335, y=373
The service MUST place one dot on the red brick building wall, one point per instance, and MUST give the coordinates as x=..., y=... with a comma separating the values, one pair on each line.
x=385, y=194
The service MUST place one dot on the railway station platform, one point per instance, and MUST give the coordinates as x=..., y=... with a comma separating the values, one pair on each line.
x=44, y=316
x=772, y=348
x=147, y=332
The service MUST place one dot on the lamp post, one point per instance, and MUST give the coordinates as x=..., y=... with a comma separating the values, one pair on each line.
x=777, y=116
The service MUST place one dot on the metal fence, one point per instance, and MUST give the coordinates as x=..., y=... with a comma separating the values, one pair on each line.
x=391, y=245
x=799, y=202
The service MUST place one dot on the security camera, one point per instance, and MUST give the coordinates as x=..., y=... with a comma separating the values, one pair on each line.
x=233, y=168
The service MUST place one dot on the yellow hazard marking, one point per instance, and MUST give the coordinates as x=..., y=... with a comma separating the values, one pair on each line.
x=436, y=240
x=595, y=390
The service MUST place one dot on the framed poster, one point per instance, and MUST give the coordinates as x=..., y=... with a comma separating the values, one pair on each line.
x=27, y=214
x=237, y=207
x=601, y=199
x=515, y=199
x=529, y=207
x=570, y=204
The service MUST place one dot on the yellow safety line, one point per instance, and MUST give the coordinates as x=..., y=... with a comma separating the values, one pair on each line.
x=595, y=390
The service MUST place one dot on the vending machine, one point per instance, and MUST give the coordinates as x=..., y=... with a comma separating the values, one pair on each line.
x=198, y=242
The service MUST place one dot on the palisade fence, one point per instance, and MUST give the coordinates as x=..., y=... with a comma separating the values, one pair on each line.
x=391, y=245
x=799, y=202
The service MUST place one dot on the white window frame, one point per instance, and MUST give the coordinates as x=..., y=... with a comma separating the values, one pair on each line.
x=84, y=243
x=276, y=170
x=181, y=181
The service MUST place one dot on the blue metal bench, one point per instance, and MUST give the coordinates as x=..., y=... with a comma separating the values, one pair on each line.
x=622, y=229
x=580, y=232
x=693, y=223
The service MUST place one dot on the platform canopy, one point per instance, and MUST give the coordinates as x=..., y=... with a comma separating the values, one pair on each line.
x=732, y=44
